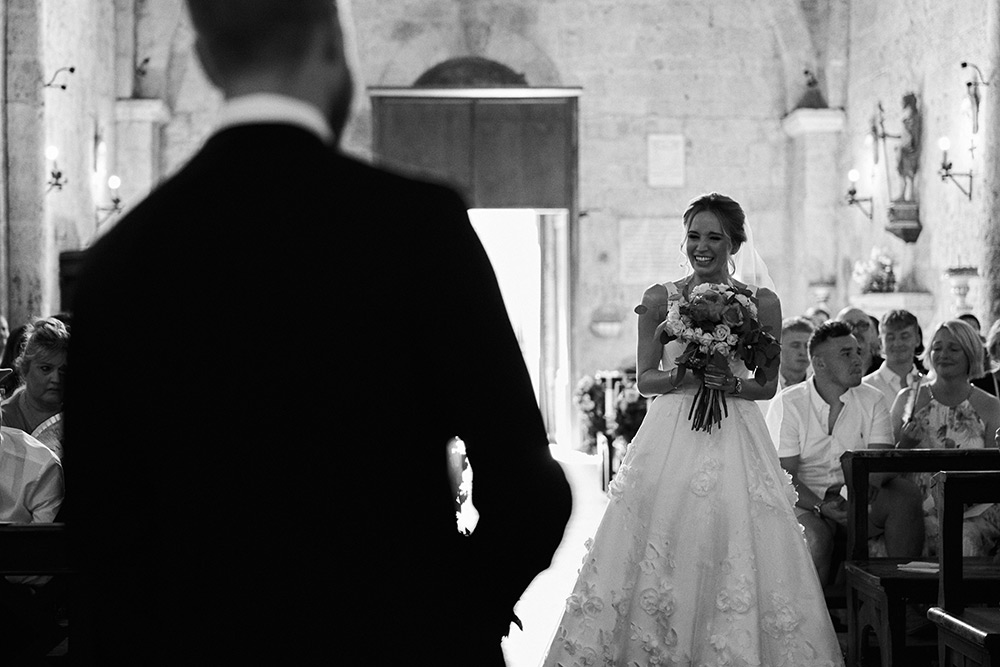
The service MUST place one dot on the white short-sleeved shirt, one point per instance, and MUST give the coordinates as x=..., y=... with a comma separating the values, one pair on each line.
x=798, y=424
x=890, y=384
x=31, y=479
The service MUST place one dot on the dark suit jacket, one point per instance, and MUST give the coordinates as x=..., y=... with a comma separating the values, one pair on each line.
x=216, y=517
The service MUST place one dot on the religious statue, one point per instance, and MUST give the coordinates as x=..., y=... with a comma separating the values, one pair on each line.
x=908, y=153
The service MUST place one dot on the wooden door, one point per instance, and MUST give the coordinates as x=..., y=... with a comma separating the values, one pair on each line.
x=502, y=148
x=500, y=152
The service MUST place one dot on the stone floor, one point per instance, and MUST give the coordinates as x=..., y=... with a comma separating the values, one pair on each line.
x=541, y=606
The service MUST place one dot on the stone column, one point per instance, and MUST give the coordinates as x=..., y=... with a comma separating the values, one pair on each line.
x=137, y=159
x=29, y=250
x=991, y=173
x=811, y=239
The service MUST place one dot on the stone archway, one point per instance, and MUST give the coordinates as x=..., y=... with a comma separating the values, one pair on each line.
x=470, y=72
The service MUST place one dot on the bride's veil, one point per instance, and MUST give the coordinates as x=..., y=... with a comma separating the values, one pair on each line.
x=750, y=267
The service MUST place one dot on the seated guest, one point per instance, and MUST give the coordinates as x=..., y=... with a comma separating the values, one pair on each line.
x=813, y=423
x=902, y=340
x=795, y=333
x=36, y=407
x=31, y=491
x=973, y=322
x=990, y=382
x=949, y=413
x=864, y=330
x=817, y=315
x=31, y=478
x=4, y=334
x=15, y=343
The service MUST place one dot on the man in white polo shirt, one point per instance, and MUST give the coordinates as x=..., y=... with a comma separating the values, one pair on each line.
x=813, y=423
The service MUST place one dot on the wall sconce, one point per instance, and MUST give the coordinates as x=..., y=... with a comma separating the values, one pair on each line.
x=56, y=179
x=944, y=143
x=142, y=69
x=52, y=82
x=975, y=97
x=116, y=203
x=854, y=200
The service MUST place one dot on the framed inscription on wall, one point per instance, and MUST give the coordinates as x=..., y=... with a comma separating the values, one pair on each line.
x=665, y=160
x=651, y=250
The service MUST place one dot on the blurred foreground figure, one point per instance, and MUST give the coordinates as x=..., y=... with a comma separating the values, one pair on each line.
x=217, y=522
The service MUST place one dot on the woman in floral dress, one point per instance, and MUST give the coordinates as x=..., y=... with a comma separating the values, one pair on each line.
x=949, y=413
x=699, y=559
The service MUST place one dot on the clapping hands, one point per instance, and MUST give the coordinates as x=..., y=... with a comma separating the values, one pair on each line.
x=911, y=434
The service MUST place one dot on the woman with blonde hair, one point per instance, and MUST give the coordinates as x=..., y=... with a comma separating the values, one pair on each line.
x=949, y=413
x=36, y=407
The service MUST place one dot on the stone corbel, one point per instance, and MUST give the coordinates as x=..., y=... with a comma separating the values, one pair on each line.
x=138, y=145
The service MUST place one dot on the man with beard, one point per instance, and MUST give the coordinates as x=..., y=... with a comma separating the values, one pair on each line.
x=813, y=424
x=216, y=520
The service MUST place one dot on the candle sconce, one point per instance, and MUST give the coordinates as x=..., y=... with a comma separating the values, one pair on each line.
x=854, y=200
x=944, y=143
x=974, y=96
x=52, y=82
x=56, y=179
x=116, y=203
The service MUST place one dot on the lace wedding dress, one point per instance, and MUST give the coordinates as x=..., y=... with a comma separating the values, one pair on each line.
x=699, y=560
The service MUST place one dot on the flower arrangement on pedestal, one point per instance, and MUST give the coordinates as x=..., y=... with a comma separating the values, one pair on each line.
x=877, y=274
x=619, y=424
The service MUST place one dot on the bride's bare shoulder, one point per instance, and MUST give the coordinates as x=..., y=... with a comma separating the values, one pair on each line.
x=654, y=298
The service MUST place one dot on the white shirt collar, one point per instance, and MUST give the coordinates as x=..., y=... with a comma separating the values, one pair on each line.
x=819, y=403
x=272, y=108
x=889, y=376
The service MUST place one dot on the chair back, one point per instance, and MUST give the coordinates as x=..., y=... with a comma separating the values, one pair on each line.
x=34, y=548
x=859, y=465
x=953, y=491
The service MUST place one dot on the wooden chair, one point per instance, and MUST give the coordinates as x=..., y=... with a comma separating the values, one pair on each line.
x=35, y=549
x=967, y=637
x=878, y=592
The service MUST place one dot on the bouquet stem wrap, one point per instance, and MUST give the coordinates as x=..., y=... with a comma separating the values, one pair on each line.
x=707, y=409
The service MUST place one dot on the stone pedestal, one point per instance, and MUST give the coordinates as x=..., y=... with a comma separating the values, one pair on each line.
x=904, y=220
x=959, y=277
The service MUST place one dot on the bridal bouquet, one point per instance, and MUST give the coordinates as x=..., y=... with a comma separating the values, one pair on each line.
x=719, y=324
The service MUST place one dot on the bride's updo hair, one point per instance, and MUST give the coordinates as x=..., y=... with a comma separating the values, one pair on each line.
x=729, y=213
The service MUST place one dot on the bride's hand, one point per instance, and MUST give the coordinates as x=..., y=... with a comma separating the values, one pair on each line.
x=719, y=378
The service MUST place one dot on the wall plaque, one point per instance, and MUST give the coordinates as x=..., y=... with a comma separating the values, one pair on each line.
x=665, y=160
x=651, y=250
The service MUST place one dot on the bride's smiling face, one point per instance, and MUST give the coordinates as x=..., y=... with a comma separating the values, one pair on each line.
x=708, y=247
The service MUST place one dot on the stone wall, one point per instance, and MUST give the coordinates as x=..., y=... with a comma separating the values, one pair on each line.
x=901, y=46
x=723, y=77
x=714, y=74
x=73, y=113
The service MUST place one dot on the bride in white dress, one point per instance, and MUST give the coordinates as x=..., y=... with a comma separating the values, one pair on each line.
x=699, y=560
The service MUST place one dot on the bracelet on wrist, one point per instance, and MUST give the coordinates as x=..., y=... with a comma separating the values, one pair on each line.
x=817, y=509
x=737, y=387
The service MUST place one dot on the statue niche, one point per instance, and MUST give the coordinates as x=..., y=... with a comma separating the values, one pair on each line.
x=908, y=152
x=903, y=211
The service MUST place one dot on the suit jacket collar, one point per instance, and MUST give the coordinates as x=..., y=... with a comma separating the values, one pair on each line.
x=268, y=108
